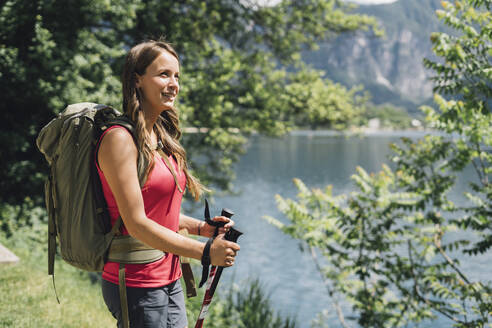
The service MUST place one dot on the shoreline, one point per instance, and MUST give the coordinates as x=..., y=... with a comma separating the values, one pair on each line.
x=362, y=131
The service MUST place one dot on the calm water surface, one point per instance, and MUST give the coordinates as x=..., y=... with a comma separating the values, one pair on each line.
x=267, y=169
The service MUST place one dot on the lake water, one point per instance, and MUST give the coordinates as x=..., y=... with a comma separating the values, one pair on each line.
x=268, y=167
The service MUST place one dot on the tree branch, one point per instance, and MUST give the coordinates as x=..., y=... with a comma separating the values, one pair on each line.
x=338, y=309
x=437, y=242
x=485, y=180
x=417, y=290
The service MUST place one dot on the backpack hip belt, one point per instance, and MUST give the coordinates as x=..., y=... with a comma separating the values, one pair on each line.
x=129, y=250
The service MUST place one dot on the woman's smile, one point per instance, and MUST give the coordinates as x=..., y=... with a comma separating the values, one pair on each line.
x=169, y=95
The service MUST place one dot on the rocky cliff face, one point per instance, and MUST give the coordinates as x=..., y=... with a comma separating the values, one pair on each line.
x=390, y=68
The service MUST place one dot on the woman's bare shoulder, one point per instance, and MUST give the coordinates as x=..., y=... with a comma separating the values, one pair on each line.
x=117, y=142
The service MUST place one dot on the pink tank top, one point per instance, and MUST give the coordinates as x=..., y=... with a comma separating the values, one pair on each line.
x=162, y=201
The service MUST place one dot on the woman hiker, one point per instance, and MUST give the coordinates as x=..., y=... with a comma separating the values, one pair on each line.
x=152, y=214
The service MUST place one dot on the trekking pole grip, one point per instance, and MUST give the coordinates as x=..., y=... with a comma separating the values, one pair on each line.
x=227, y=213
x=232, y=234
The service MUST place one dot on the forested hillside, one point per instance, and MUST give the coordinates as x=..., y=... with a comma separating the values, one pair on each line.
x=390, y=68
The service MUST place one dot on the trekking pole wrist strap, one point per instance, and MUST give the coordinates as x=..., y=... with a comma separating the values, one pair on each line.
x=206, y=261
x=206, y=253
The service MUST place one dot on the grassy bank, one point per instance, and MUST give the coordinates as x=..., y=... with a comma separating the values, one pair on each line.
x=28, y=298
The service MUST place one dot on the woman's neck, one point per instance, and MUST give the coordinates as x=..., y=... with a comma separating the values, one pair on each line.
x=150, y=121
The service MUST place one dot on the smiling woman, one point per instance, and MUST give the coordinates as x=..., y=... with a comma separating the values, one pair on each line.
x=151, y=209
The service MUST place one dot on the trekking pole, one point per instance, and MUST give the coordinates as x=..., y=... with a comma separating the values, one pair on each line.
x=215, y=272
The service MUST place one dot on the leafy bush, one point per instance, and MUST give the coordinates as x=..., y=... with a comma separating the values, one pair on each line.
x=391, y=247
x=239, y=308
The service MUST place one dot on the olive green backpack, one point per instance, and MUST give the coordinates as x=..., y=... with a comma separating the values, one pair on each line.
x=77, y=210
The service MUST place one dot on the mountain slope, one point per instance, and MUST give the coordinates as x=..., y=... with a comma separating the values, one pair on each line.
x=390, y=68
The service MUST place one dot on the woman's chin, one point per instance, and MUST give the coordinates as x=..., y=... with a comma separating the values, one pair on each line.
x=167, y=106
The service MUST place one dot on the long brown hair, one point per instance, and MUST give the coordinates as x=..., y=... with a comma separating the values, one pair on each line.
x=167, y=126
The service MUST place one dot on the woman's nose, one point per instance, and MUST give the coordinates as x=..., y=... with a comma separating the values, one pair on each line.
x=173, y=83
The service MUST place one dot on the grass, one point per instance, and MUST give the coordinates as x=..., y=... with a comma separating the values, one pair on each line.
x=28, y=298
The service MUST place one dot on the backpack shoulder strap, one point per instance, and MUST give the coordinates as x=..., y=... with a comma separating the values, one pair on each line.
x=109, y=117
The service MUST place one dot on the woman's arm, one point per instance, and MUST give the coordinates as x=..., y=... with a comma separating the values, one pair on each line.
x=118, y=160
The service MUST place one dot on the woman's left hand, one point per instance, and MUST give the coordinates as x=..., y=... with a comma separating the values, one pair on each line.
x=208, y=230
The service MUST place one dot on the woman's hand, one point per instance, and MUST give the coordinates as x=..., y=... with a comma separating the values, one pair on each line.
x=223, y=252
x=208, y=230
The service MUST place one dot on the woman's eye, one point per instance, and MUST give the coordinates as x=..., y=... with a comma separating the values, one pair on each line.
x=169, y=74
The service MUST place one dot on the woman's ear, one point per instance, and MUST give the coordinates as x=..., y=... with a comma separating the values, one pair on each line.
x=137, y=80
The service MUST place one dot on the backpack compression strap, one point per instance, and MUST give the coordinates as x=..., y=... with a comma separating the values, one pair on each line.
x=51, y=206
x=188, y=277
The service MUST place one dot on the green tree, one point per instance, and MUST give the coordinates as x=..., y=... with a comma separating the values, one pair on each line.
x=51, y=53
x=234, y=54
x=389, y=116
x=314, y=102
x=397, y=247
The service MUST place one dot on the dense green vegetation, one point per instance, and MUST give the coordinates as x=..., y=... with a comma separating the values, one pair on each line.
x=398, y=248
x=390, y=117
x=241, y=308
x=234, y=73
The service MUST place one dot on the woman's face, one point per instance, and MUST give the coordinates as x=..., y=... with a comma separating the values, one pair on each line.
x=159, y=85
